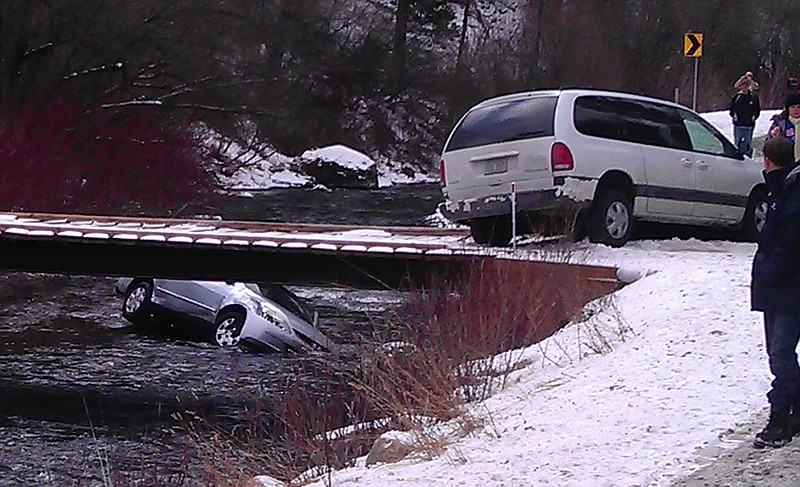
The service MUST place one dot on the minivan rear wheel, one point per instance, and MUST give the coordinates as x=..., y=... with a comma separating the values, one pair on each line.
x=480, y=229
x=494, y=230
x=611, y=218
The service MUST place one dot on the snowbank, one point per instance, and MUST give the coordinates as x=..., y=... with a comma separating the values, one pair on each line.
x=687, y=372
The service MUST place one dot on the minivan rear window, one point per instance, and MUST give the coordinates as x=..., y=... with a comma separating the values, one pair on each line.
x=514, y=120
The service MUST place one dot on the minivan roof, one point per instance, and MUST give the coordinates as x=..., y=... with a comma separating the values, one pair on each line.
x=577, y=91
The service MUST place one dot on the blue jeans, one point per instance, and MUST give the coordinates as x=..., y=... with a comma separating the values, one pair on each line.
x=743, y=136
x=783, y=333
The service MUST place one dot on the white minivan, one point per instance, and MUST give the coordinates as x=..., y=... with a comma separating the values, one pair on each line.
x=598, y=158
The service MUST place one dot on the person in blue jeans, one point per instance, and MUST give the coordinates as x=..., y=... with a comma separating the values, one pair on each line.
x=775, y=290
x=744, y=110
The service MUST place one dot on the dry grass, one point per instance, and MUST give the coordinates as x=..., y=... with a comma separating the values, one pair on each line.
x=453, y=344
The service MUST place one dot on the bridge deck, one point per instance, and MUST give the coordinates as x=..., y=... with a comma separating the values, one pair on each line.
x=371, y=257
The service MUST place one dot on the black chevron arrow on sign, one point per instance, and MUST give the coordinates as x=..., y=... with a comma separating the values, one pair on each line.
x=693, y=45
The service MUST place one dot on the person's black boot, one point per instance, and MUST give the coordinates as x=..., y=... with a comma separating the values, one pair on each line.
x=794, y=419
x=777, y=432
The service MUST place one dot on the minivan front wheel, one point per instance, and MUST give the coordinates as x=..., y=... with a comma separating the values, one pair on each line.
x=611, y=218
x=755, y=215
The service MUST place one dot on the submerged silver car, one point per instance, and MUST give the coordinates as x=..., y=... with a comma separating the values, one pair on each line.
x=264, y=315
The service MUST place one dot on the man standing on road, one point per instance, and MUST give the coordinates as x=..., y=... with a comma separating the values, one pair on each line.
x=745, y=109
x=775, y=290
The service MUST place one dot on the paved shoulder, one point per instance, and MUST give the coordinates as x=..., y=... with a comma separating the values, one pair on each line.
x=745, y=466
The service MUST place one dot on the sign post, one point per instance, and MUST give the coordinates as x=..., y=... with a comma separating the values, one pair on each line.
x=693, y=47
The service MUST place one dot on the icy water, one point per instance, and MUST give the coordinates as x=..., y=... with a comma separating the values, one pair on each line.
x=79, y=386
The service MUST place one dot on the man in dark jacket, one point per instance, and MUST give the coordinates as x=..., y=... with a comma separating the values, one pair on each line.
x=775, y=290
x=745, y=109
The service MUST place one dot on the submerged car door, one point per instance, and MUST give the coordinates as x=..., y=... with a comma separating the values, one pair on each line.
x=724, y=177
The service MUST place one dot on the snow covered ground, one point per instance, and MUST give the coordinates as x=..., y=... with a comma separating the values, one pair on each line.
x=658, y=406
x=665, y=401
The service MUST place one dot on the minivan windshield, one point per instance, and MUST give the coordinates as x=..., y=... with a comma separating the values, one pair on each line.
x=507, y=121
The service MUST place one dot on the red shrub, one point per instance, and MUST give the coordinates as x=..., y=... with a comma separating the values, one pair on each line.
x=64, y=158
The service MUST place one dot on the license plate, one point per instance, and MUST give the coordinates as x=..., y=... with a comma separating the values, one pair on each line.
x=496, y=166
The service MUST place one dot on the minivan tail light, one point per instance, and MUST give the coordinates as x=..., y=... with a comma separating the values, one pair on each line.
x=561, y=157
x=441, y=173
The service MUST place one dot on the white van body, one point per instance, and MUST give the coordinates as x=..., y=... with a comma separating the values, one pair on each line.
x=604, y=157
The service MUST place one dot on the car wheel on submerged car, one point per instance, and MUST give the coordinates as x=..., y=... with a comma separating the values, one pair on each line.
x=228, y=328
x=136, y=305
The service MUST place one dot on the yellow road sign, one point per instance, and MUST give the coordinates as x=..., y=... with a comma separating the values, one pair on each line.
x=693, y=44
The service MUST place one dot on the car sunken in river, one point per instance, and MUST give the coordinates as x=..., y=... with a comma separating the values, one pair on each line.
x=259, y=315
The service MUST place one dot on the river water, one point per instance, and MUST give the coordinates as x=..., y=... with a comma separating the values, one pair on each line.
x=79, y=386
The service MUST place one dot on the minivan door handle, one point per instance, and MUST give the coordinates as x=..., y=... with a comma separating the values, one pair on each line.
x=702, y=165
x=686, y=162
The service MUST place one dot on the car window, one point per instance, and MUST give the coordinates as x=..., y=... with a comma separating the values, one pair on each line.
x=631, y=121
x=285, y=298
x=505, y=122
x=678, y=135
x=597, y=116
x=705, y=138
x=702, y=139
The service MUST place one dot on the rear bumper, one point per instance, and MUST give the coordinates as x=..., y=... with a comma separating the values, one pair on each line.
x=530, y=201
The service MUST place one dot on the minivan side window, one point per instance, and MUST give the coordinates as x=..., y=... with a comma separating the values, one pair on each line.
x=504, y=122
x=630, y=121
x=705, y=138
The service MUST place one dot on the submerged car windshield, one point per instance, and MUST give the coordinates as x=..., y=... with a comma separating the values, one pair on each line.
x=283, y=297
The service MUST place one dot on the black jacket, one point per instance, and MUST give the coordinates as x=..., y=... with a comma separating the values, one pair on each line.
x=745, y=109
x=775, y=285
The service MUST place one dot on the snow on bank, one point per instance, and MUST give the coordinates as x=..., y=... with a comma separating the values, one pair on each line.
x=654, y=409
x=341, y=155
x=265, y=168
